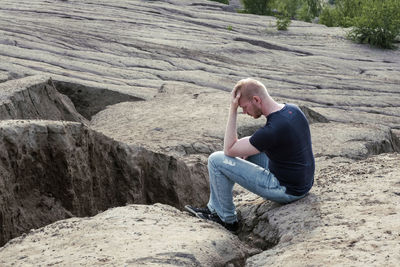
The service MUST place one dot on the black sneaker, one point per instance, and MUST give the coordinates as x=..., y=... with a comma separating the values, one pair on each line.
x=232, y=227
x=194, y=210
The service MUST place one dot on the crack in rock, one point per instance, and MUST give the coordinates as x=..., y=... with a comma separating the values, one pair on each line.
x=53, y=170
x=89, y=100
x=271, y=46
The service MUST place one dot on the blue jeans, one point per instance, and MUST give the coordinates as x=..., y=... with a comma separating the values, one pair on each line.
x=252, y=174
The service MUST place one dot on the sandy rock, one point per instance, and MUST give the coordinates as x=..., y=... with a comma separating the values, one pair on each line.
x=396, y=139
x=90, y=100
x=162, y=58
x=180, y=57
x=312, y=115
x=181, y=120
x=3, y=77
x=54, y=170
x=124, y=47
x=35, y=97
x=354, y=141
x=133, y=235
x=351, y=217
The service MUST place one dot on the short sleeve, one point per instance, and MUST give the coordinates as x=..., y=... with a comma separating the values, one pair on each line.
x=261, y=139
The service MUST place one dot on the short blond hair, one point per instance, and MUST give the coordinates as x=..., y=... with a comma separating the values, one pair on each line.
x=250, y=87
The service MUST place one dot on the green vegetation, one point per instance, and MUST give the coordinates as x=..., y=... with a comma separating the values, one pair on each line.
x=309, y=10
x=222, y=1
x=229, y=28
x=287, y=7
x=295, y=9
x=282, y=22
x=376, y=22
x=258, y=7
x=284, y=10
x=342, y=13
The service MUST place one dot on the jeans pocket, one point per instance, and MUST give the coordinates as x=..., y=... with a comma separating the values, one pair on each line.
x=267, y=180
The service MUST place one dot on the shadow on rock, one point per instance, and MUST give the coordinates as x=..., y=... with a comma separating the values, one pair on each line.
x=265, y=224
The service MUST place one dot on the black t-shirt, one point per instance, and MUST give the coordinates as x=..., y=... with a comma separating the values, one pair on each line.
x=286, y=140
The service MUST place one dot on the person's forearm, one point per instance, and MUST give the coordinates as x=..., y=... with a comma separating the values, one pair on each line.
x=230, y=132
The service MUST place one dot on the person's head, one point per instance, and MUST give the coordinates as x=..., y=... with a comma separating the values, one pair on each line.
x=252, y=96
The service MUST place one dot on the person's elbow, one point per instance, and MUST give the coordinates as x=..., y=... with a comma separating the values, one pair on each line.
x=227, y=153
x=230, y=152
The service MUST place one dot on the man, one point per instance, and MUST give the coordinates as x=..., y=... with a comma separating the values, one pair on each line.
x=279, y=163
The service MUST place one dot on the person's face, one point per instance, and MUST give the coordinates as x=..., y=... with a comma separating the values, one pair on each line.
x=250, y=107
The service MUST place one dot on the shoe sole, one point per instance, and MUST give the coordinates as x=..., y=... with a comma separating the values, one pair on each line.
x=192, y=212
x=199, y=215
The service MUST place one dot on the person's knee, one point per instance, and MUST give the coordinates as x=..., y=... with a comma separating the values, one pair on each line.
x=215, y=158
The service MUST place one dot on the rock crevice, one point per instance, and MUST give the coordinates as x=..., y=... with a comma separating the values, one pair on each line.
x=89, y=100
x=180, y=61
x=55, y=170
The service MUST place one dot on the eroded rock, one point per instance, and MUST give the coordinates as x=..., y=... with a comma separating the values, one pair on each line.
x=35, y=97
x=54, y=170
x=396, y=139
x=124, y=47
x=351, y=217
x=180, y=120
x=312, y=115
x=89, y=101
x=146, y=49
x=354, y=141
x=121, y=236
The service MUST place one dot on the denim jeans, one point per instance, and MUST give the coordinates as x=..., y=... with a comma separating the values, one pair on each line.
x=252, y=174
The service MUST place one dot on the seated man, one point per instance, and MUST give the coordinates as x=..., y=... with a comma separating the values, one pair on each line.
x=280, y=162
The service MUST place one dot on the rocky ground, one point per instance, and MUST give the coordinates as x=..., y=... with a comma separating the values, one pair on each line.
x=351, y=218
x=121, y=237
x=144, y=87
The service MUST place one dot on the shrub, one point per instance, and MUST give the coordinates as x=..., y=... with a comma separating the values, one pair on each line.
x=314, y=7
x=309, y=9
x=378, y=23
x=222, y=1
x=258, y=7
x=342, y=14
x=347, y=10
x=287, y=7
x=329, y=17
x=282, y=22
x=299, y=9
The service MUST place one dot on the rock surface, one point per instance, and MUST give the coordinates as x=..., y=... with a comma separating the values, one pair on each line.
x=121, y=236
x=352, y=217
x=180, y=57
x=170, y=124
x=136, y=47
x=151, y=49
x=36, y=97
x=55, y=170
